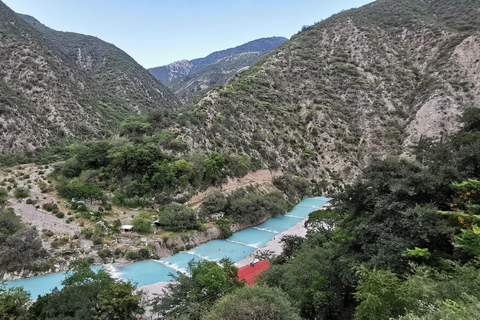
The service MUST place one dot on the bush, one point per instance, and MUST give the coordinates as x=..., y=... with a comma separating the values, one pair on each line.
x=21, y=193
x=51, y=207
x=30, y=201
x=142, y=222
x=87, y=233
x=259, y=302
x=252, y=207
x=214, y=203
x=132, y=255
x=97, y=240
x=201, y=227
x=60, y=215
x=48, y=233
x=177, y=217
x=143, y=254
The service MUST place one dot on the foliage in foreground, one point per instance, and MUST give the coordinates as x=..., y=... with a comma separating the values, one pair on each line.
x=89, y=295
x=260, y=302
x=194, y=294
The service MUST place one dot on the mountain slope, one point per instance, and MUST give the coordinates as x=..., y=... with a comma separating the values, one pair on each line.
x=195, y=77
x=45, y=96
x=363, y=84
x=111, y=67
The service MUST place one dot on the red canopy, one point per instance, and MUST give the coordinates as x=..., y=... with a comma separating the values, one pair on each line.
x=248, y=272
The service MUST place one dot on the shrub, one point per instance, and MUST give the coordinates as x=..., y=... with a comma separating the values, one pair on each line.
x=177, y=217
x=60, y=215
x=142, y=222
x=143, y=254
x=51, y=207
x=21, y=193
x=87, y=233
x=48, y=233
x=132, y=255
x=97, y=240
x=30, y=201
x=201, y=227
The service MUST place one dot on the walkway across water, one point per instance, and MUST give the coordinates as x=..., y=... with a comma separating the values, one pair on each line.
x=237, y=247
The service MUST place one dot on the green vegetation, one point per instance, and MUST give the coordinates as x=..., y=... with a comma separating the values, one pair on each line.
x=402, y=242
x=259, y=302
x=137, y=170
x=177, y=217
x=194, y=294
x=245, y=205
x=142, y=222
x=88, y=295
x=13, y=303
x=20, y=247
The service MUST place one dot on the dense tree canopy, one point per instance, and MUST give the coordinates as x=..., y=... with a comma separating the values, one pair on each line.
x=89, y=295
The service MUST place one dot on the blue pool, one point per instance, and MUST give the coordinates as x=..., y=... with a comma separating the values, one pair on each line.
x=239, y=246
x=144, y=272
x=42, y=284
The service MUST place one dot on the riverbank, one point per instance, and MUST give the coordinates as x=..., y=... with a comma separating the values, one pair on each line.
x=273, y=245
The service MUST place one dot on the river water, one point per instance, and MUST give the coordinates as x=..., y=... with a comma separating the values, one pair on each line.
x=237, y=247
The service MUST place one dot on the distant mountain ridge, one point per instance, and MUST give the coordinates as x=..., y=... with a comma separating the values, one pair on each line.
x=188, y=78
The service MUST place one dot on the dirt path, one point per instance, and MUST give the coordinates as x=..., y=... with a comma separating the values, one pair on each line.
x=260, y=178
x=43, y=220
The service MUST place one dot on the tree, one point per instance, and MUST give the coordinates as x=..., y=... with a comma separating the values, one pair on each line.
x=291, y=244
x=142, y=222
x=13, y=303
x=260, y=302
x=394, y=207
x=88, y=295
x=21, y=192
x=76, y=188
x=323, y=220
x=20, y=249
x=193, y=294
x=214, y=165
x=9, y=224
x=177, y=217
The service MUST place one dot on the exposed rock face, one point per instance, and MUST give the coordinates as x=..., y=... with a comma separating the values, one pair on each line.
x=172, y=71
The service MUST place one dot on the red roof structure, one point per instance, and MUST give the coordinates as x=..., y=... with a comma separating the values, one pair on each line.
x=248, y=272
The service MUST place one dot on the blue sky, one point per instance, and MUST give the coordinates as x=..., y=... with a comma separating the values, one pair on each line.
x=158, y=32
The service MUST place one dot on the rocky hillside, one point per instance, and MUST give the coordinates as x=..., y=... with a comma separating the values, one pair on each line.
x=363, y=84
x=194, y=85
x=110, y=67
x=47, y=94
x=193, y=78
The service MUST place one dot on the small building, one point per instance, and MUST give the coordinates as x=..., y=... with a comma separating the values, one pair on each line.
x=126, y=228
